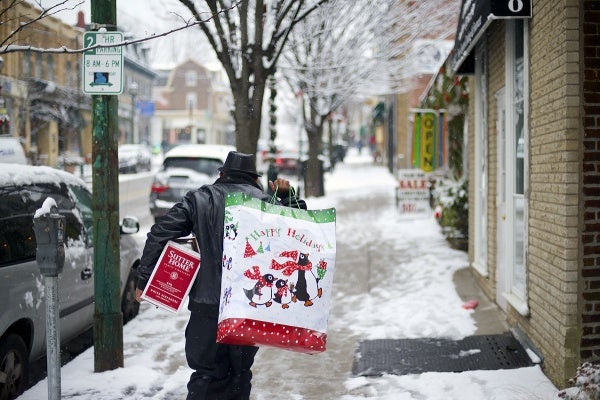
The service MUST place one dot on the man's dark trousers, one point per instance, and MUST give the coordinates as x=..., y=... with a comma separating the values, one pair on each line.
x=221, y=372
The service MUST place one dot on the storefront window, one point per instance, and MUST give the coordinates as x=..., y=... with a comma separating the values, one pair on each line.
x=50, y=68
x=26, y=64
x=38, y=66
x=519, y=108
x=191, y=78
x=516, y=78
x=69, y=73
x=481, y=160
x=519, y=248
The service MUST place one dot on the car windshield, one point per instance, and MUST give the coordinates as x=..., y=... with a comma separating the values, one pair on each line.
x=206, y=166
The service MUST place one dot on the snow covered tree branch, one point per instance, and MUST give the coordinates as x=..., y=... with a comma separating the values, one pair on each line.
x=13, y=41
x=354, y=48
x=248, y=40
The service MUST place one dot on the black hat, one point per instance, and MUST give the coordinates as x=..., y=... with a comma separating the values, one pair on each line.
x=240, y=162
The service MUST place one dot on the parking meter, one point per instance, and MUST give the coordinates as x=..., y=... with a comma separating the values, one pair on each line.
x=49, y=228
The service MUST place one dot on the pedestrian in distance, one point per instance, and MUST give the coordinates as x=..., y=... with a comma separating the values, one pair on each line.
x=221, y=371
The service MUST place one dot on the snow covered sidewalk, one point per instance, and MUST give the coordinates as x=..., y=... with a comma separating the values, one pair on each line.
x=393, y=280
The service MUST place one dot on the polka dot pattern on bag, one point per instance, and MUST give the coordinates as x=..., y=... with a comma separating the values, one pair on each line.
x=250, y=332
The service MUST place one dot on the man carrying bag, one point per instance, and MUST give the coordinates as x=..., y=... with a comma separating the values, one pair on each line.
x=221, y=371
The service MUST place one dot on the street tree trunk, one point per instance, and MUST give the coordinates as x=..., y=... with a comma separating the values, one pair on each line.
x=247, y=114
x=313, y=180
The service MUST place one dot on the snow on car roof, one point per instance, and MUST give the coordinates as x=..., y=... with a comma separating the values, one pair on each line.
x=219, y=151
x=29, y=174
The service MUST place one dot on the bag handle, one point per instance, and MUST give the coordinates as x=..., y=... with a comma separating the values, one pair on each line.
x=293, y=192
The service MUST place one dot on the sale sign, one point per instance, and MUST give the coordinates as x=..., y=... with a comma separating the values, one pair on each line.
x=172, y=277
x=412, y=193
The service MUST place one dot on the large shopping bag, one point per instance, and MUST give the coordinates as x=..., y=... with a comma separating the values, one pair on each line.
x=278, y=265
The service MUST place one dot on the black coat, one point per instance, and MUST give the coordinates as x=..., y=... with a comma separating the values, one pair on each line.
x=202, y=213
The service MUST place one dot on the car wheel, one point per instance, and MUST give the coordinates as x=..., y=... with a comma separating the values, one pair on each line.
x=14, y=367
x=129, y=306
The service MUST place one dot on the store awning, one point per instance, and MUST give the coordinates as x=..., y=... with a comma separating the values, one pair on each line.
x=475, y=17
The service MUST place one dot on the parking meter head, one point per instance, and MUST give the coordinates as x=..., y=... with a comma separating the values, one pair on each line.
x=49, y=235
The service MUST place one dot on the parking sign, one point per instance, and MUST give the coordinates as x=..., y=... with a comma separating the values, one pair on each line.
x=103, y=66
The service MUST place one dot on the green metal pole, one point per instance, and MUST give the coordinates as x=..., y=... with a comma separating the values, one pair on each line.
x=108, y=320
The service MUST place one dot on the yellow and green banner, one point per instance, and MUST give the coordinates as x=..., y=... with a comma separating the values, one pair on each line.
x=429, y=147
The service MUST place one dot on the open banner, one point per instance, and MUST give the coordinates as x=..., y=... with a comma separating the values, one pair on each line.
x=429, y=142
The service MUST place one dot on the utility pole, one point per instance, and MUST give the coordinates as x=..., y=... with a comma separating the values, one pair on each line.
x=108, y=319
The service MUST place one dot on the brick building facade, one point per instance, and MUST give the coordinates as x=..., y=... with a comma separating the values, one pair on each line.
x=41, y=90
x=534, y=177
x=192, y=106
x=590, y=237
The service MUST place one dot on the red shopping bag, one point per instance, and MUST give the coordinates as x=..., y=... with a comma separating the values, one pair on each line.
x=174, y=275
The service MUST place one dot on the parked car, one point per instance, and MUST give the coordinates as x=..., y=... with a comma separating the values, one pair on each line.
x=290, y=162
x=11, y=150
x=134, y=158
x=184, y=168
x=287, y=162
x=23, y=189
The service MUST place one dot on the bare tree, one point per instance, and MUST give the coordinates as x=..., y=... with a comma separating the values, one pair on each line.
x=17, y=27
x=366, y=40
x=345, y=49
x=400, y=27
x=329, y=58
x=248, y=40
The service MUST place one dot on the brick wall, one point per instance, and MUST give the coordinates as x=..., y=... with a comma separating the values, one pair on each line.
x=403, y=131
x=554, y=187
x=590, y=238
x=555, y=148
x=49, y=32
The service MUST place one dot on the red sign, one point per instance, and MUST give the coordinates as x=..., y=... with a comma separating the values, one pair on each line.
x=172, y=277
x=413, y=183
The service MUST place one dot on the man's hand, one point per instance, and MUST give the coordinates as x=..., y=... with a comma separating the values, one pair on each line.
x=138, y=295
x=281, y=186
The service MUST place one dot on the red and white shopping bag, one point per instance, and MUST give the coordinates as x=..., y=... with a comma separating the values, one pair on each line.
x=174, y=275
x=278, y=265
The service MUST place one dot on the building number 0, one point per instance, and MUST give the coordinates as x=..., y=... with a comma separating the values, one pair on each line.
x=515, y=5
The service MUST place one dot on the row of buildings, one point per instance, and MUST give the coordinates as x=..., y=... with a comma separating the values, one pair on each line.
x=530, y=137
x=42, y=102
x=530, y=144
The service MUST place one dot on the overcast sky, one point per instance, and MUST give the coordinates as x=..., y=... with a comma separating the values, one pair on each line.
x=147, y=18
